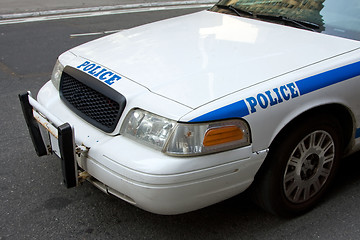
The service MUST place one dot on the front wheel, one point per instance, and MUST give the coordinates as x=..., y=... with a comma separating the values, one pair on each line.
x=300, y=166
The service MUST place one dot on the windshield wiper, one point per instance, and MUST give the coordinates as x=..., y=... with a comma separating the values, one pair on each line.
x=287, y=21
x=297, y=23
x=237, y=11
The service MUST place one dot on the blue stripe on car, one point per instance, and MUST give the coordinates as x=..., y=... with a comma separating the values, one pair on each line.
x=234, y=110
x=357, y=134
x=240, y=109
x=328, y=78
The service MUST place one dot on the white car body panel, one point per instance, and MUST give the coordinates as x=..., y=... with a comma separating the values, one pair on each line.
x=169, y=56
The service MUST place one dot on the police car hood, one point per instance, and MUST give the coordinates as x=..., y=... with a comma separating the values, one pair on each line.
x=197, y=58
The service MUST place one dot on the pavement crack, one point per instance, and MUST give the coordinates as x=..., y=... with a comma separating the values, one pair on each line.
x=4, y=68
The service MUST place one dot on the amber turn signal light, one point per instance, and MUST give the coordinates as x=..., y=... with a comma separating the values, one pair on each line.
x=221, y=135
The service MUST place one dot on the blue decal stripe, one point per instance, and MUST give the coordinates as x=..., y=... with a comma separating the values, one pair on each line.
x=239, y=109
x=357, y=134
x=328, y=78
x=234, y=110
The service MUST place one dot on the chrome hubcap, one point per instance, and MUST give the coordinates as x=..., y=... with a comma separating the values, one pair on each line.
x=309, y=166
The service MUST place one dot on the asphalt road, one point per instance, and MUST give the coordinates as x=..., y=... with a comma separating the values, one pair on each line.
x=35, y=205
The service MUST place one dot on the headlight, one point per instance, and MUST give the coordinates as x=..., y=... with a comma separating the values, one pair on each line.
x=56, y=74
x=147, y=128
x=185, y=139
x=204, y=138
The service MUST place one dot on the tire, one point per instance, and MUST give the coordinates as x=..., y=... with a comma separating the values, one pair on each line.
x=300, y=166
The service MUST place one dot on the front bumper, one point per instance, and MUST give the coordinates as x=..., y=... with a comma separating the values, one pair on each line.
x=135, y=173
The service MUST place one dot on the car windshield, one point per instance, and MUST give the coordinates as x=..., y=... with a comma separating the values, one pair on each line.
x=334, y=17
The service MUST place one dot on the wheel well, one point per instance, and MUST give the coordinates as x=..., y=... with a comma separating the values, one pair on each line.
x=340, y=112
x=337, y=111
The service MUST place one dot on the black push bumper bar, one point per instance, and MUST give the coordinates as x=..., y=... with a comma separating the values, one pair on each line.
x=65, y=139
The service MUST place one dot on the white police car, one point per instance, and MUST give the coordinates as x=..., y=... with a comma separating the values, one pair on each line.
x=180, y=114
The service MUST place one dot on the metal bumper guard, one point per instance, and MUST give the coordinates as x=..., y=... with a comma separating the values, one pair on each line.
x=63, y=133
